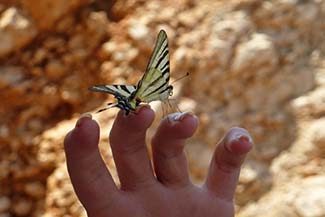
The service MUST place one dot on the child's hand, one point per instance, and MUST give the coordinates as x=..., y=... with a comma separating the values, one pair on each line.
x=162, y=191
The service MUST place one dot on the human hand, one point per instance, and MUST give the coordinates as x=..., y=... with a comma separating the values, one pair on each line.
x=166, y=189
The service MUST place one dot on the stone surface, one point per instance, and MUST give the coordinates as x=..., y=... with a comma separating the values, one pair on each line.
x=46, y=13
x=308, y=200
x=4, y=204
x=16, y=31
x=256, y=64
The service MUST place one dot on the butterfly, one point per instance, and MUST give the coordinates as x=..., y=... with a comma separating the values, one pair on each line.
x=154, y=84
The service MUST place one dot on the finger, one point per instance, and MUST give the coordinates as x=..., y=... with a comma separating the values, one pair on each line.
x=127, y=139
x=88, y=172
x=168, y=148
x=225, y=165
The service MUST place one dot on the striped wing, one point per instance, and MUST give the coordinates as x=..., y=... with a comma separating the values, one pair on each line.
x=118, y=91
x=154, y=84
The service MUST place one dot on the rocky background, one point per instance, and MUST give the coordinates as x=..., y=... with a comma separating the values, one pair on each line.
x=252, y=63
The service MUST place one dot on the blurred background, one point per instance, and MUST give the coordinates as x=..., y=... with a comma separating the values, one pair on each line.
x=252, y=63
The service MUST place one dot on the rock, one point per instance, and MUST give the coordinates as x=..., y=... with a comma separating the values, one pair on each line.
x=40, y=55
x=107, y=49
x=53, y=43
x=225, y=35
x=46, y=13
x=307, y=13
x=22, y=207
x=319, y=138
x=254, y=181
x=311, y=104
x=138, y=31
x=62, y=198
x=35, y=189
x=289, y=200
x=96, y=23
x=5, y=214
x=310, y=200
x=4, y=169
x=187, y=19
x=16, y=31
x=257, y=56
x=11, y=76
x=5, y=204
x=199, y=157
x=187, y=105
x=4, y=131
x=55, y=70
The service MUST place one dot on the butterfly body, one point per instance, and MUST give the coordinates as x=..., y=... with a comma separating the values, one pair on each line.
x=154, y=85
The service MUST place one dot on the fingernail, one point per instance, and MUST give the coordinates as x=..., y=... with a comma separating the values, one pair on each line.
x=178, y=116
x=82, y=117
x=237, y=135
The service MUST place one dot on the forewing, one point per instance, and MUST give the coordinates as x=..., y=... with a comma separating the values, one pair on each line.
x=151, y=90
x=160, y=56
x=116, y=90
x=156, y=78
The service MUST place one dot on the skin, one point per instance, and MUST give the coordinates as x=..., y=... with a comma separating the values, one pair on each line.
x=152, y=190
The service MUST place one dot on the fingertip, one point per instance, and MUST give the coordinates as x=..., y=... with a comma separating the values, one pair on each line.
x=140, y=119
x=190, y=123
x=83, y=117
x=85, y=135
x=238, y=141
x=178, y=117
x=233, y=148
x=182, y=125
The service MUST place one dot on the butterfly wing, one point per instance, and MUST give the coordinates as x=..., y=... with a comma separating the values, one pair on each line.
x=154, y=84
x=119, y=91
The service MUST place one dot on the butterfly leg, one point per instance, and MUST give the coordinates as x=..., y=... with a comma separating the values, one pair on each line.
x=163, y=104
x=177, y=108
x=101, y=110
x=173, y=106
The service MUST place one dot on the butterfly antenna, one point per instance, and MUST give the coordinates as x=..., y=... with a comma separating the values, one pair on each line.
x=101, y=110
x=184, y=76
x=109, y=105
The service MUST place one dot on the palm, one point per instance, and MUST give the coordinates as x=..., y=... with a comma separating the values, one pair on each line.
x=159, y=201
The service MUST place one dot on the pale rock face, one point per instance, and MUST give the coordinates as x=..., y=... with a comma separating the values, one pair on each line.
x=310, y=201
x=257, y=53
x=46, y=13
x=226, y=33
x=11, y=76
x=16, y=31
x=138, y=31
x=319, y=139
x=4, y=204
x=306, y=200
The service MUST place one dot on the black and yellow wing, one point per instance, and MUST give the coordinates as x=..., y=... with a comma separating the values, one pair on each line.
x=154, y=85
x=116, y=90
x=122, y=94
